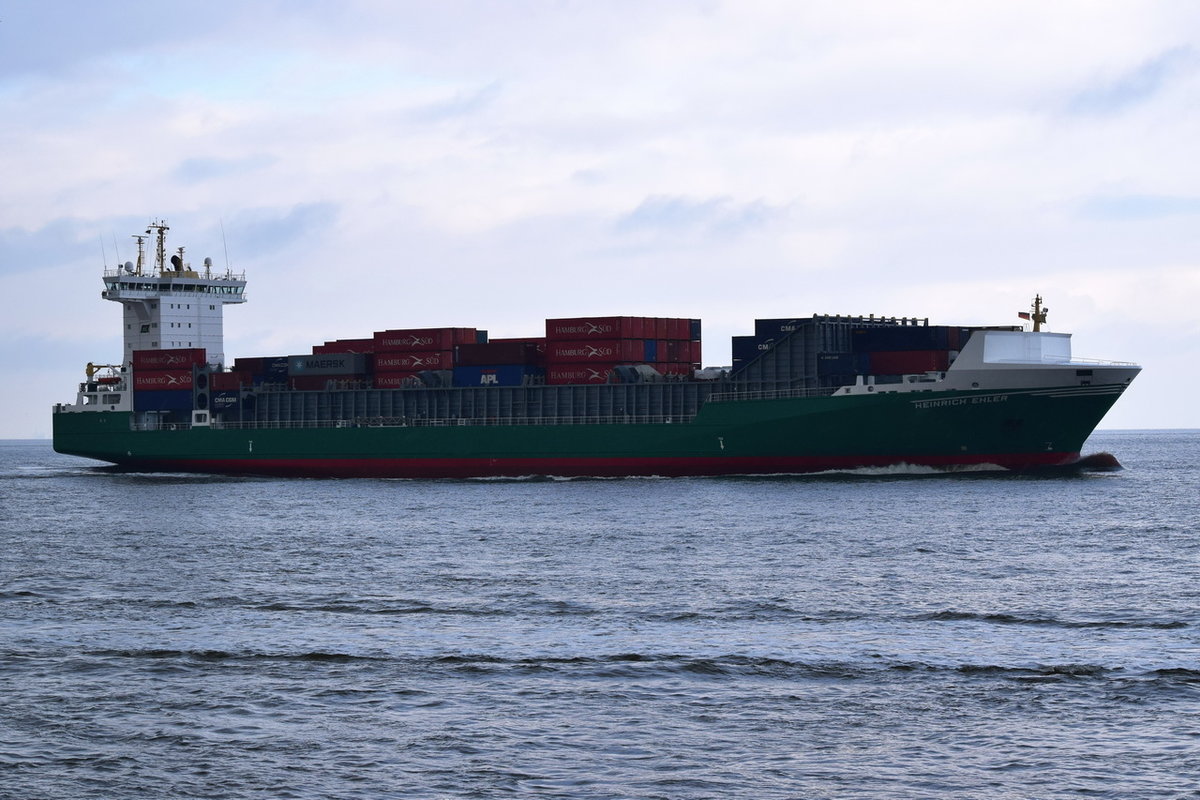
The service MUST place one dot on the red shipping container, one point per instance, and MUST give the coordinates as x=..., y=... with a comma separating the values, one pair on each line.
x=251, y=365
x=228, y=381
x=559, y=374
x=497, y=352
x=613, y=351
x=393, y=380
x=413, y=362
x=421, y=339
x=585, y=328
x=345, y=346
x=538, y=341
x=680, y=329
x=148, y=380
x=909, y=362
x=168, y=359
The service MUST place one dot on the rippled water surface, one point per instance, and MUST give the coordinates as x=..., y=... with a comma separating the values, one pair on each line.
x=885, y=636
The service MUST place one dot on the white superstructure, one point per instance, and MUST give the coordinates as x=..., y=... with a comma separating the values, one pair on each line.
x=170, y=305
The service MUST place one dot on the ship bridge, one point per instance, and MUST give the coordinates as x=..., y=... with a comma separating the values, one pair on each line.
x=169, y=305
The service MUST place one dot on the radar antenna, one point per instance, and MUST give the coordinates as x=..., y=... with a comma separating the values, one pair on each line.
x=1038, y=315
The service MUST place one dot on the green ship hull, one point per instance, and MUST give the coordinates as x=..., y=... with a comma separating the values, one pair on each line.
x=1014, y=429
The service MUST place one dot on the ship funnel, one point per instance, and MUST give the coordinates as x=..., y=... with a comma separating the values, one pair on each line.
x=177, y=263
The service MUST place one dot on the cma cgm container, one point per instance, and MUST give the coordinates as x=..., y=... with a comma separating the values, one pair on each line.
x=180, y=358
x=422, y=339
x=413, y=361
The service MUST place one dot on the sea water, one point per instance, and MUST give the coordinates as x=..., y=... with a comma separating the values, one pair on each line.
x=832, y=636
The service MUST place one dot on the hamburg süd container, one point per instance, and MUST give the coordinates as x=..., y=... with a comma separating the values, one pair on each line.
x=609, y=350
x=179, y=358
x=414, y=361
x=422, y=339
x=163, y=379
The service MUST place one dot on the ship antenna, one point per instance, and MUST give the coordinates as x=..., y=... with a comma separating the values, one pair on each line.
x=141, y=240
x=225, y=244
x=104, y=253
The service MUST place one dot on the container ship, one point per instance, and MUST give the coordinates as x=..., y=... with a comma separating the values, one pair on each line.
x=594, y=396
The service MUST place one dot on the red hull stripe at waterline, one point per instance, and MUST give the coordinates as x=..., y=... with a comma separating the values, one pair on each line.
x=589, y=467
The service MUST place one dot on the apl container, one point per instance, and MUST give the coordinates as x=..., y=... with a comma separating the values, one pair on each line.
x=494, y=375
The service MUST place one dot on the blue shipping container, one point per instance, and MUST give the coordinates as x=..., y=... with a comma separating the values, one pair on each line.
x=496, y=375
x=900, y=337
x=650, y=354
x=163, y=400
x=778, y=328
x=226, y=400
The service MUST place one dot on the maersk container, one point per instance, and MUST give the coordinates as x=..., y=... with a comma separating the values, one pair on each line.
x=650, y=351
x=327, y=364
x=162, y=400
x=694, y=330
x=494, y=375
x=179, y=358
x=414, y=361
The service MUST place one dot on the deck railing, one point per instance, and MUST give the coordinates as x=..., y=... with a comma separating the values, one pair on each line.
x=417, y=422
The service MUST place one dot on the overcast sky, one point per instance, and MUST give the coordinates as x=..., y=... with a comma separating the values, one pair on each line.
x=401, y=164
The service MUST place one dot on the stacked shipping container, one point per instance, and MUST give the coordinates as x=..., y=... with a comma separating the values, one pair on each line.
x=163, y=380
x=586, y=349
